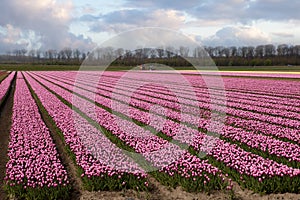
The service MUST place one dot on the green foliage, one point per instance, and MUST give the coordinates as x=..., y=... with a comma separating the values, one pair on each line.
x=39, y=193
x=268, y=62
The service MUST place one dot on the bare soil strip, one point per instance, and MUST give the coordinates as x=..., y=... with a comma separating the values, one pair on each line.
x=5, y=123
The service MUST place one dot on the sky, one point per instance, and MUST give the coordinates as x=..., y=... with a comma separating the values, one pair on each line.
x=84, y=24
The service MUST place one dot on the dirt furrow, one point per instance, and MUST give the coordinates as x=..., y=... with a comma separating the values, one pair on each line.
x=5, y=123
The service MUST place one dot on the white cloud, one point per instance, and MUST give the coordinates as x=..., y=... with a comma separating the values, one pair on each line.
x=53, y=23
x=237, y=36
x=48, y=21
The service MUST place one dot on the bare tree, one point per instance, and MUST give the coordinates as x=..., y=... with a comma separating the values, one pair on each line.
x=76, y=54
x=184, y=51
x=119, y=52
x=61, y=55
x=251, y=52
x=270, y=50
x=282, y=49
x=260, y=51
x=31, y=53
x=169, y=51
x=233, y=51
x=160, y=52
x=38, y=54
x=68, y=53
x=153, y=53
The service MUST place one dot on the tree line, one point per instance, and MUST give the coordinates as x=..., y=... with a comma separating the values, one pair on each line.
x=260, y=55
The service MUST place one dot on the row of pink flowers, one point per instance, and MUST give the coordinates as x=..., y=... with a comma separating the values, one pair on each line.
x=159, y=152
x=190, y=136
x=94, y=153
x=33, y=158
x=252, y=125
x=5, y=84
x=168, y=101
x=157, y=93
x=200, y=83
x=261, y=142
x=251, y=74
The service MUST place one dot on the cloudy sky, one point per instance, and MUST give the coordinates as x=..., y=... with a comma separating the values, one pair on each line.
x=55, y=24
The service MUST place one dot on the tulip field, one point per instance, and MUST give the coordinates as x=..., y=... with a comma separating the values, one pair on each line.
x=123, y=129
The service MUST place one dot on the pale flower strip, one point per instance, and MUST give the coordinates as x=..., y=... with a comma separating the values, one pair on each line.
x=268, y=87
x=234, y=103
x=5, y=84
x=251, y=125
x=264, y=127
x=168, y=103
x=201, y=91
x=95, y=154
x=231, y=108
x=284, y=132
x=146, y=102
x=251, y=84
x=261, y=142
x=145, y=142
x=270, y=74
x=194, y=138
x=33, y=158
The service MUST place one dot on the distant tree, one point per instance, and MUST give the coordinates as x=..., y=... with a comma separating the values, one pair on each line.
x=259, y=51
x=119, y=52
x=226, y=52
x=282, y=49
x=251, y=52
x=233, y=51
x=68, y=52
x=169, y=51
x=153, y=53
x=184, y=51
x=76, y=54
x=296, y=50
x=160, y=52
x=38, y=54
x=61, y=55
x=83, y=56
x=31, y=53
x=270, y=50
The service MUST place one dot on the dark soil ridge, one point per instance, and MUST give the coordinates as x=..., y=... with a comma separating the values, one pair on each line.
x=5, y=124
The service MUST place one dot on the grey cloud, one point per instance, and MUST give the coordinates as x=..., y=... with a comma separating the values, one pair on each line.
x=283, y=34
x=49, y=20
x=89, y=18
x=165, y=4
x=243, y=11
x=132, y=18
x=274, y=9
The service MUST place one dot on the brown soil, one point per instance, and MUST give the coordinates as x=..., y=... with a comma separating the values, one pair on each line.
x=66, y=160
x=5, y=123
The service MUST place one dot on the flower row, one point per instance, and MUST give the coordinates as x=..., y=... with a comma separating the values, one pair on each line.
x=263, y=143
x=34, y=168
x=166, y=157
x=103, y=165
x=250, y=166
